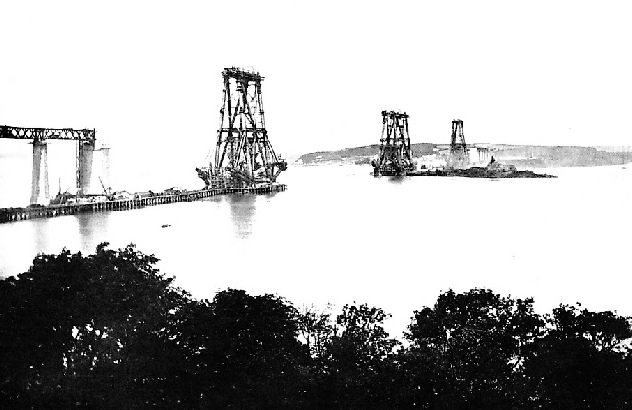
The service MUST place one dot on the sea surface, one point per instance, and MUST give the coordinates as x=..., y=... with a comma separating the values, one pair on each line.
x=338, y=235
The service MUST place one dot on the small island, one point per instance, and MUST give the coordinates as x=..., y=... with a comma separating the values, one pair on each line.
x=493, y=170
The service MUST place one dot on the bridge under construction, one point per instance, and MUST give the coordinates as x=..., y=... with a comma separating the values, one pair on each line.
x=244, y=162
x=395, y=157
x=459, y=155
x=85, y=147
x=244, y=157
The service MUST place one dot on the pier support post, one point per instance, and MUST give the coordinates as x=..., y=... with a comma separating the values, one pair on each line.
x=39, y=185
x=84, y=166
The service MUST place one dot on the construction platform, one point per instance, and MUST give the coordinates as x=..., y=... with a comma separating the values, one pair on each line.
x=49, y=211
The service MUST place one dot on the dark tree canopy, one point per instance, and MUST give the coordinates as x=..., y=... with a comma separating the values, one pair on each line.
x=86, y=329
x=474, y=342
x=245, y=351
x=359, y=357
x=583, y=361
x=110, y=331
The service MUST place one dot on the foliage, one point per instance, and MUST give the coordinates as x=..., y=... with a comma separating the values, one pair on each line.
x=110, y=331
x=87, y=330
x=316, y=330
x=581, y=362
x=244, y=351
x=472, y=346
x=357, y=360
x=603, y=330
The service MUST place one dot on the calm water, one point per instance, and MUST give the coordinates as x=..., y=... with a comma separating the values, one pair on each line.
x=339, y=235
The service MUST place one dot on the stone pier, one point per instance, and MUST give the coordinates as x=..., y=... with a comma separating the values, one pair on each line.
x=84, y=166
x=39, y=185
x=105, y=176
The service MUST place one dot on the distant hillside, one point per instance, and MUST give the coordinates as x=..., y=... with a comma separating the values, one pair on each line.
x=358, y=154
x=522, y=156
x=560, y=156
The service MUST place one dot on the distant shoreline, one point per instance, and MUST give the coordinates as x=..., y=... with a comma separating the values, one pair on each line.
x=522, y=156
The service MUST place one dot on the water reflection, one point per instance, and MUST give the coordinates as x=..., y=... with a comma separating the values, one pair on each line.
x=41, y=231
x=242, y=213
x=91, y=226
x=397, y=179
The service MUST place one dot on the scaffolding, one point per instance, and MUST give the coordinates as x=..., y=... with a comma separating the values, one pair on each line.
x=244, y=157
x=395, y=156
x=459, y=156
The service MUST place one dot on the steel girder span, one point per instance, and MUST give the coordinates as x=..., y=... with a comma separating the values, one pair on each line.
x=86, y=140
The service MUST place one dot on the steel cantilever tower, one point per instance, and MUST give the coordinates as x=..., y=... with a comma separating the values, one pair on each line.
x=395, y=156
x=459, y=157
x=244, y=156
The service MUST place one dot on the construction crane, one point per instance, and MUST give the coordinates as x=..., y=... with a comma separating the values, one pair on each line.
x=244, y=157
x=395, y=157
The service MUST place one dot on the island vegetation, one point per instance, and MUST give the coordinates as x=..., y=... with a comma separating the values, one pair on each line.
x=110, y=331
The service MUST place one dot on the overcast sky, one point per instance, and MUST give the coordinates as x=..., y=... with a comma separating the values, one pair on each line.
x=147, y=74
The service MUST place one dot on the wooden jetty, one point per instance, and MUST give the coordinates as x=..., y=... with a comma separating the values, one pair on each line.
x=48, y=211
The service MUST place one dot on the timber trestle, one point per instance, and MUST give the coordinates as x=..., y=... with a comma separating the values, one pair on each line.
x=19, y=214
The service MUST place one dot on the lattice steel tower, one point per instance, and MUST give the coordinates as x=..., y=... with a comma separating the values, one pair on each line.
x=244, y=156
x=395, y=157
x=459, y=157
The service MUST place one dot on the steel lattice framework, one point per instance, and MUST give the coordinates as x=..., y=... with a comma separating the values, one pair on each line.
x=84, y=138
x=42, y=134
x=458, y=148
x=395, y=156
x=243, y=154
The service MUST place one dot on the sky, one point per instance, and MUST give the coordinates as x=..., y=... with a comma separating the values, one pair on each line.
x=147, y=74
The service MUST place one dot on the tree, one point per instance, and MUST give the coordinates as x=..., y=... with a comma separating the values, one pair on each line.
x=109, y=331
x=244, y=351
x=359, y=369
x=581, y=362
x=469, y=349
x=316, y=329
x=88, y=331
x=603, y=330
